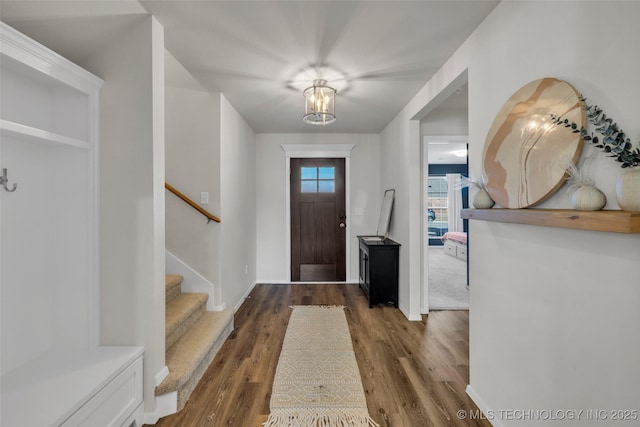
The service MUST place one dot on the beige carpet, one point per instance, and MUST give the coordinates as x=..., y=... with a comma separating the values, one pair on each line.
x=447, y=281
x=317, y=381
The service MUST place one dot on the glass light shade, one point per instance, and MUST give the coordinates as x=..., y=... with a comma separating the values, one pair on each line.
x=320, y=107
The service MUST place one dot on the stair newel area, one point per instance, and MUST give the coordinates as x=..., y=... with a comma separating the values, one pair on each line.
x=193, y=337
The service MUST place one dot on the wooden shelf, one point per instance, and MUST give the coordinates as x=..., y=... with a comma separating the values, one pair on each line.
x=608, y=221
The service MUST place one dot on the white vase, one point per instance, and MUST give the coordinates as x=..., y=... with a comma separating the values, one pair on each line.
x=588, y=198
x=482, y=200
x=628, y=190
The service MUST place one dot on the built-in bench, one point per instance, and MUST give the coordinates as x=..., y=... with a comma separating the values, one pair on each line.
x=96, y=387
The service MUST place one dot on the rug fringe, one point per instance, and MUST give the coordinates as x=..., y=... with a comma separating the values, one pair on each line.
x=317, y=419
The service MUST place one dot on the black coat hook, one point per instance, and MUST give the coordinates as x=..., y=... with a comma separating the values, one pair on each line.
x=4, y=181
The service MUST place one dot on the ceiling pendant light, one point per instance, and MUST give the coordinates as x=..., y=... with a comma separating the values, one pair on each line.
x=320, y=106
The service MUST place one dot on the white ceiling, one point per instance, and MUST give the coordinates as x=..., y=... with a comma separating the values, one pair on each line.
x=262, y=54
x=446, y=152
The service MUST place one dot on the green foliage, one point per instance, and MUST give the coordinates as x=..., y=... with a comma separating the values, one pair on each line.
x=614, y=141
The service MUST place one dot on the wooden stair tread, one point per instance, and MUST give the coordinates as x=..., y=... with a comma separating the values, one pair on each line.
x=184, y=357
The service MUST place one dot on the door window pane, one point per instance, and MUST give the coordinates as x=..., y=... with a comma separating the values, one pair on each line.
x=327, y=173
x=327, y=186
x=318, y=179
x=309, y=173
x=310, y=186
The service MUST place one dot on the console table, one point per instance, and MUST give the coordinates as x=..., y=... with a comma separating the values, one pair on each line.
x=379, y=265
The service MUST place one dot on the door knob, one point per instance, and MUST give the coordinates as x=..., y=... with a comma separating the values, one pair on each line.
x=342, y=225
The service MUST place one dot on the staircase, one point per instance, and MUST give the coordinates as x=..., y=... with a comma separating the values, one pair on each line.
x=193, y=337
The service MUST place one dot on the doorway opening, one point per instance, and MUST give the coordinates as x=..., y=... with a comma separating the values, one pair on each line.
x=444, y=163
x=446, y=231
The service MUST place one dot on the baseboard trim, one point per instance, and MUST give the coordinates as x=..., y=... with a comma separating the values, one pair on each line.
x=160, y=376
x=288, y=282
x=410, y=317
x=488, y=413
x=220, y=307
x=448, y=308
x=244, y=297
x=166, y=404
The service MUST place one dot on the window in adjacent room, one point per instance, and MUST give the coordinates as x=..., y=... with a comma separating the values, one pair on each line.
x=437, y=214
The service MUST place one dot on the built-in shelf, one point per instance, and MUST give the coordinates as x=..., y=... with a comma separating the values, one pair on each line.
x=39, y=135
x=609, y=221
x=54, y=373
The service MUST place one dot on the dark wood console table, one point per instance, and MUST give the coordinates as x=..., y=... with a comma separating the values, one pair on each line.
x=379, y=265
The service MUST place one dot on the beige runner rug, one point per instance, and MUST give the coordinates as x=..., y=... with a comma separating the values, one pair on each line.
x=317, y=381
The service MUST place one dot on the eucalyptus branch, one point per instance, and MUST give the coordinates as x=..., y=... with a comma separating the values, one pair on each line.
x=614, y=141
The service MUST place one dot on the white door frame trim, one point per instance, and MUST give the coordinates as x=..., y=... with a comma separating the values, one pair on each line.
x=299, y=151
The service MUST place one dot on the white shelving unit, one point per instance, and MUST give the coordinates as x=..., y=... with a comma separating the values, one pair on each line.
x=54, y=372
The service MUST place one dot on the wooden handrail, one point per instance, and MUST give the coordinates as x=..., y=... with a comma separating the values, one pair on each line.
x=210, y=217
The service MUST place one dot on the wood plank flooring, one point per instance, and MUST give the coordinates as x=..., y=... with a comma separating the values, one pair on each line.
x=414, y=373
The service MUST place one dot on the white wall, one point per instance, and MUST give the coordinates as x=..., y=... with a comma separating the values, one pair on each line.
x=238, y=205
x=445, y=124
x=192, y=167
x=449, y=118
x=402, y=169
x=554, y=312
x=397, y=152
x=132, y=193
x=211, y=148
x=271, y=178
x=47, y=286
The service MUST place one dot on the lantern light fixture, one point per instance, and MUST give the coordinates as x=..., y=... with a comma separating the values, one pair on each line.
x=320, y=106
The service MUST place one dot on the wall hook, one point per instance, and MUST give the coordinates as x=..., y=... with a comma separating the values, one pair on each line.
x=4, y=181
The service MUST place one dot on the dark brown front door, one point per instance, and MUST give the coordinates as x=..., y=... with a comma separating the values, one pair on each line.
x=318, y=220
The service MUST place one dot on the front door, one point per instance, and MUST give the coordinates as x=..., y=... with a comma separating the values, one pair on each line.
x=318, y=220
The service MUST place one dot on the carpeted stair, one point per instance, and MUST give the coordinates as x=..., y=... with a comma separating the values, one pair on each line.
x=193, y=337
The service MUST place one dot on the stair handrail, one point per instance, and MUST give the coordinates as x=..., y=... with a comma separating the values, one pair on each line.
x=210, y=216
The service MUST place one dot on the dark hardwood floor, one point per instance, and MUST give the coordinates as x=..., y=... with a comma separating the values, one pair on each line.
x=414, y=373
